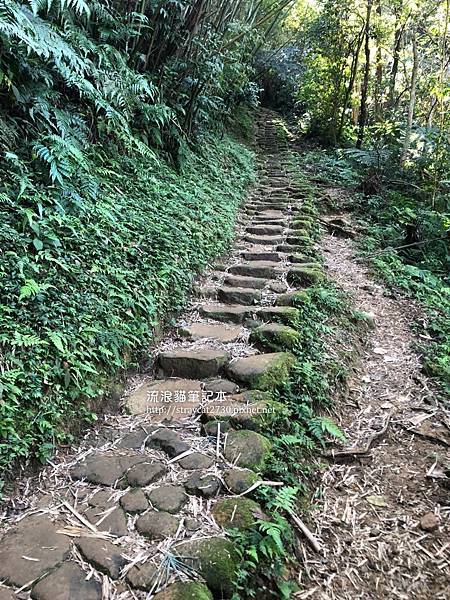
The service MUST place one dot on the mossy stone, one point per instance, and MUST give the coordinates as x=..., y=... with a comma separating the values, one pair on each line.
x=263, y=371
x=299, y=240
x=305, y=276
x=273, y=336
x=292, y=298
x=257, y=416
x=192, y=590
x=216, y=559
x=248, y=449
x=239, y=481
x=237, y=513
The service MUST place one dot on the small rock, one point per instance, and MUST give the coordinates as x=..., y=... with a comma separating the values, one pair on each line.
x=247, y=449
x=115, y=522
x=146, y=472
x=102, y=499
x=429, y=522
x=168, y=441
x=203, y=485
x=196, y=461
x=212, y=427
x=134, y=501
x=134, y=440
x=192, y=524
x=68, y=582
x=103, y=555
x=157, y=525
x=142, y=577
x=239, y=481
x=170, y=498
x=224, y=386
x=237, y=513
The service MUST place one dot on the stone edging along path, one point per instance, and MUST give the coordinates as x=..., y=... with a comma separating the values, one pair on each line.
x=141, y=509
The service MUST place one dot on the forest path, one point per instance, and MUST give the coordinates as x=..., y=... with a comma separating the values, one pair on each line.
x=383, y=515
x=141, y=507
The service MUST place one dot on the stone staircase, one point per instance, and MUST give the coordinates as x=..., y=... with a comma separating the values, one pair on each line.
x=141, y=509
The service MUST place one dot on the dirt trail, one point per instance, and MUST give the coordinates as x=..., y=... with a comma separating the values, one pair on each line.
x=383, y=517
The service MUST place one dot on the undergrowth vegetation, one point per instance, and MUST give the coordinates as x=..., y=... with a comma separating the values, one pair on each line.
x=82, y=290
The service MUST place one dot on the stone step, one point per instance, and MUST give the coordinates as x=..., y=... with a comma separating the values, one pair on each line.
x=227, y=313
x=304, y=275
x=280, y=314
x=261, y=256
x=193, y=364
x=269, y=214
x=238, y=295
x=265, y=229
x=245, y=282
x=222, y=333
x=157, y=398
x=262, y=371
x=266, y=269
x=275, y=337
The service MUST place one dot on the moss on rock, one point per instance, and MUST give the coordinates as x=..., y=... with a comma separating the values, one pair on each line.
x=216, y=559
x=305, y=275
x=293, y=298
x=192, y=590
x=263, y=371
x=247, y=449
x=275, y=337
x=237, y=513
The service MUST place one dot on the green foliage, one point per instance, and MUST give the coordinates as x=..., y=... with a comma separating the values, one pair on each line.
x=82, y=289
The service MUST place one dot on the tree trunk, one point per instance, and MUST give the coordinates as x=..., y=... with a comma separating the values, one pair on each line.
x=395, y=62
x=412, y=99
x=365, y=86
x=379, y=68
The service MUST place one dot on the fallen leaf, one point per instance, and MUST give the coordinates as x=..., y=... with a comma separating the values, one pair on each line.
x=377, y=500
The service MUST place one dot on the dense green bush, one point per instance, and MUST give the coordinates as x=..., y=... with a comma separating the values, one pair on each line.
x=81, y=289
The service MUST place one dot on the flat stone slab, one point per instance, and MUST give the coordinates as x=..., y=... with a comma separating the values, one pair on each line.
x=193, y=364
x=261, y=269
x=261, y=256
x=226, y=313
x=238, y=295
x=68, y=582
x=169, y=498
x=220, y=386
x=142, y=577
x=222, y=333
x=265, y=229
x=105, y=469
x=102, y=555
x=34, y=537
x=161, y=397
x=268, y=240
x=241, y=281
x=262, y=371
x=247, y=449
x=157, y=525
